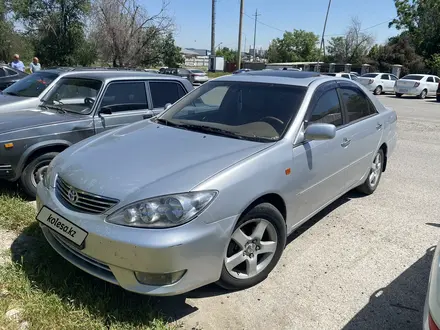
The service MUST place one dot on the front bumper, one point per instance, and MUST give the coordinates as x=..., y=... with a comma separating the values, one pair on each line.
x=114, y=253
x=6, y=172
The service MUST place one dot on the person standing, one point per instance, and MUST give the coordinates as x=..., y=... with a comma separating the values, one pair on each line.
x=17, y=64
x=35, y=65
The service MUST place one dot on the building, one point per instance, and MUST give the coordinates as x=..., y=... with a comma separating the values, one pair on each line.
x=196, y=57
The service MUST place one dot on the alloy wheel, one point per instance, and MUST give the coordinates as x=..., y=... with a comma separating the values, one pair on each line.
x=376, y=169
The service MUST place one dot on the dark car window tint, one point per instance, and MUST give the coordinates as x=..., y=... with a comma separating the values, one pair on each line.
x=327, y=110
x=2, y=72
x=413, y=77
x=346, y=76
x=164, y=92
x=125, y=96
x=437, y=79
x=430, y=79
x=356, y=104
x=385, y=76
x=393, y=77
x=32, y=85
x=11, y=72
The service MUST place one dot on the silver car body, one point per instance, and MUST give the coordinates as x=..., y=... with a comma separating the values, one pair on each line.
x=432, y=301
x=125, y=166
x=415, y=84
x=374, y=80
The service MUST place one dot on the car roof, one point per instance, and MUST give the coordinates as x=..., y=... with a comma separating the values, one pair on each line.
x=285, y=77
x=117, y=75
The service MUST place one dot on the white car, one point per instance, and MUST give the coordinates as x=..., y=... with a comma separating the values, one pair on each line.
x=431, y=314
x=350, y=76
x=420, y=85
x=378, y=82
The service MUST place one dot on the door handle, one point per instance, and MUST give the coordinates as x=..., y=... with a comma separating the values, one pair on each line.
x=345, y=142
x=378, y=126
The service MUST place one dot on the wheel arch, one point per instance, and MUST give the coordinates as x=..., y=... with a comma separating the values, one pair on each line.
x=384, y=148
x=272, y=198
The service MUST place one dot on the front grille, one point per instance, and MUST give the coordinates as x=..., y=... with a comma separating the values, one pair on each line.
x=75, y=251
x=82, y=201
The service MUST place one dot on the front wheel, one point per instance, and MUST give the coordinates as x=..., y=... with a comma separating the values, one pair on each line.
x=34, y=172
x=374, y=175
x=254, y=249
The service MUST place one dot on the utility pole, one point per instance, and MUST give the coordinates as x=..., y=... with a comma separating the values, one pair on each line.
x=213, y=28
x=240, y=27
x=255, y=32
x=323, y=33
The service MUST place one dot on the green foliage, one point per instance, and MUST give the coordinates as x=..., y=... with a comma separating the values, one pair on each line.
x=421, y=19
x=171, y=53
x=228, y=54
x=296, y=46
x=434, y=64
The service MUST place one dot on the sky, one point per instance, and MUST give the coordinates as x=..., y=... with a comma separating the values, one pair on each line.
x=192, y=19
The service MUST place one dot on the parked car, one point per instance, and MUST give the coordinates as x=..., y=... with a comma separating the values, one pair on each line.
x=431, y=313
x=420, y=85
x=241, y=71
x=341, y=75
x=8, y=76
x=378, y=83
x=236, y=166
x=193, y=75
x=151, y=70
x=79, y=105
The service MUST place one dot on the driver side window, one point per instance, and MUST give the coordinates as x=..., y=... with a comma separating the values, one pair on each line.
x=327, y=110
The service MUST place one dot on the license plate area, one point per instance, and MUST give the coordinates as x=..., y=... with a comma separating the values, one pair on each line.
x=62, y=226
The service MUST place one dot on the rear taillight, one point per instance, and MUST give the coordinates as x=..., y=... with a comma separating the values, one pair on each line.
x=370, y=81
x=417, y=84
x=432, y=325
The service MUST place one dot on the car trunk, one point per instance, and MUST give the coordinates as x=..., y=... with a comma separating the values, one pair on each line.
x=407, y=83
x=365, y=80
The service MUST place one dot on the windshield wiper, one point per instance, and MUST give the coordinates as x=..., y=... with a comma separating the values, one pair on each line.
x=214, y=130
x=54, y=107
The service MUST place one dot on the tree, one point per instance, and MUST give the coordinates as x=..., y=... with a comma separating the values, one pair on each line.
x=56, y=27
x=228, y=54
x=126, y=34
x=298, y=45
x=351, y=48
x=398, y=50
x=171, y=53
x=421, y=19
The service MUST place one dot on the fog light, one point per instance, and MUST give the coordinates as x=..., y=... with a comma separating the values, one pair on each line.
x=159, y=279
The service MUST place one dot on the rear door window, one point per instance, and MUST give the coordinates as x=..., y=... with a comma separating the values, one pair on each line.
x=356, y=104
x=430, y=79
x=385, y=77
x=163, y=92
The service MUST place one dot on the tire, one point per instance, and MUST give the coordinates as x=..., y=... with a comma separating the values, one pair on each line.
x=34, y=171
x=377, y=90
x=369, y=186
x=422, y=95
x=248, y=247
x=399, y=95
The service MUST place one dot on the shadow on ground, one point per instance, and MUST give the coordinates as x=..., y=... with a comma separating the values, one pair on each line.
x=400, y=304
x=51, y=273
x=12, y=189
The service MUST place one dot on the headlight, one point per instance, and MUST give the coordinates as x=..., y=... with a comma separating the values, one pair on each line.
x=48, y=175
x=163, y=212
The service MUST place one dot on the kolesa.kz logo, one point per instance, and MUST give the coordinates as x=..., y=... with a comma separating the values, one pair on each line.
x=57, y=223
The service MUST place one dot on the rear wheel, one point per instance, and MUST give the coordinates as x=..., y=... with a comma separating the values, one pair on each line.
x=254, y=249
x=422, y=95
x=378, y=90
x=34, y=172
x=374, y=175
x=399, y=95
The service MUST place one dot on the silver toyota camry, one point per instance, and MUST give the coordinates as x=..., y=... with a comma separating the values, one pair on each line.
x=209, y=190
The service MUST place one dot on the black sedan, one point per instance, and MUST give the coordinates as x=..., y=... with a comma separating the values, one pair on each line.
x=8, y=76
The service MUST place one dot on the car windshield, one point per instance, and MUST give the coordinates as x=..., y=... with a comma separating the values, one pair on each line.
x=412, y=77
x=369, y=75
x=75, y=95
x=196, y=71
x=330, y=74
x=32, y=85
x=242, y=110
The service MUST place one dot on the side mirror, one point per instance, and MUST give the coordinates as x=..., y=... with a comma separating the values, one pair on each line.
x=320, y=131
x=167, y=106
x=104, y=111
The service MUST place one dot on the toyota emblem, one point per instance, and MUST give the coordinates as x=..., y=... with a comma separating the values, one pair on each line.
x=72, y=195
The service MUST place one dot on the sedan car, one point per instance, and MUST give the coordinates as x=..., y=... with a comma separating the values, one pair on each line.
x=194, y=76
x=341, y=74
x=420, y=85
x=9, y=75
x=234, y=168
x=79, y=105
x=378, y=83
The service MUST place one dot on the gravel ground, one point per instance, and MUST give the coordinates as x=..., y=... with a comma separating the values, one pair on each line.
x=363, y=263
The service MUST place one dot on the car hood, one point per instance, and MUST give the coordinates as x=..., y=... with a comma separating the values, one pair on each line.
x=28, y=118
x=10, y=99
x=146, y=159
